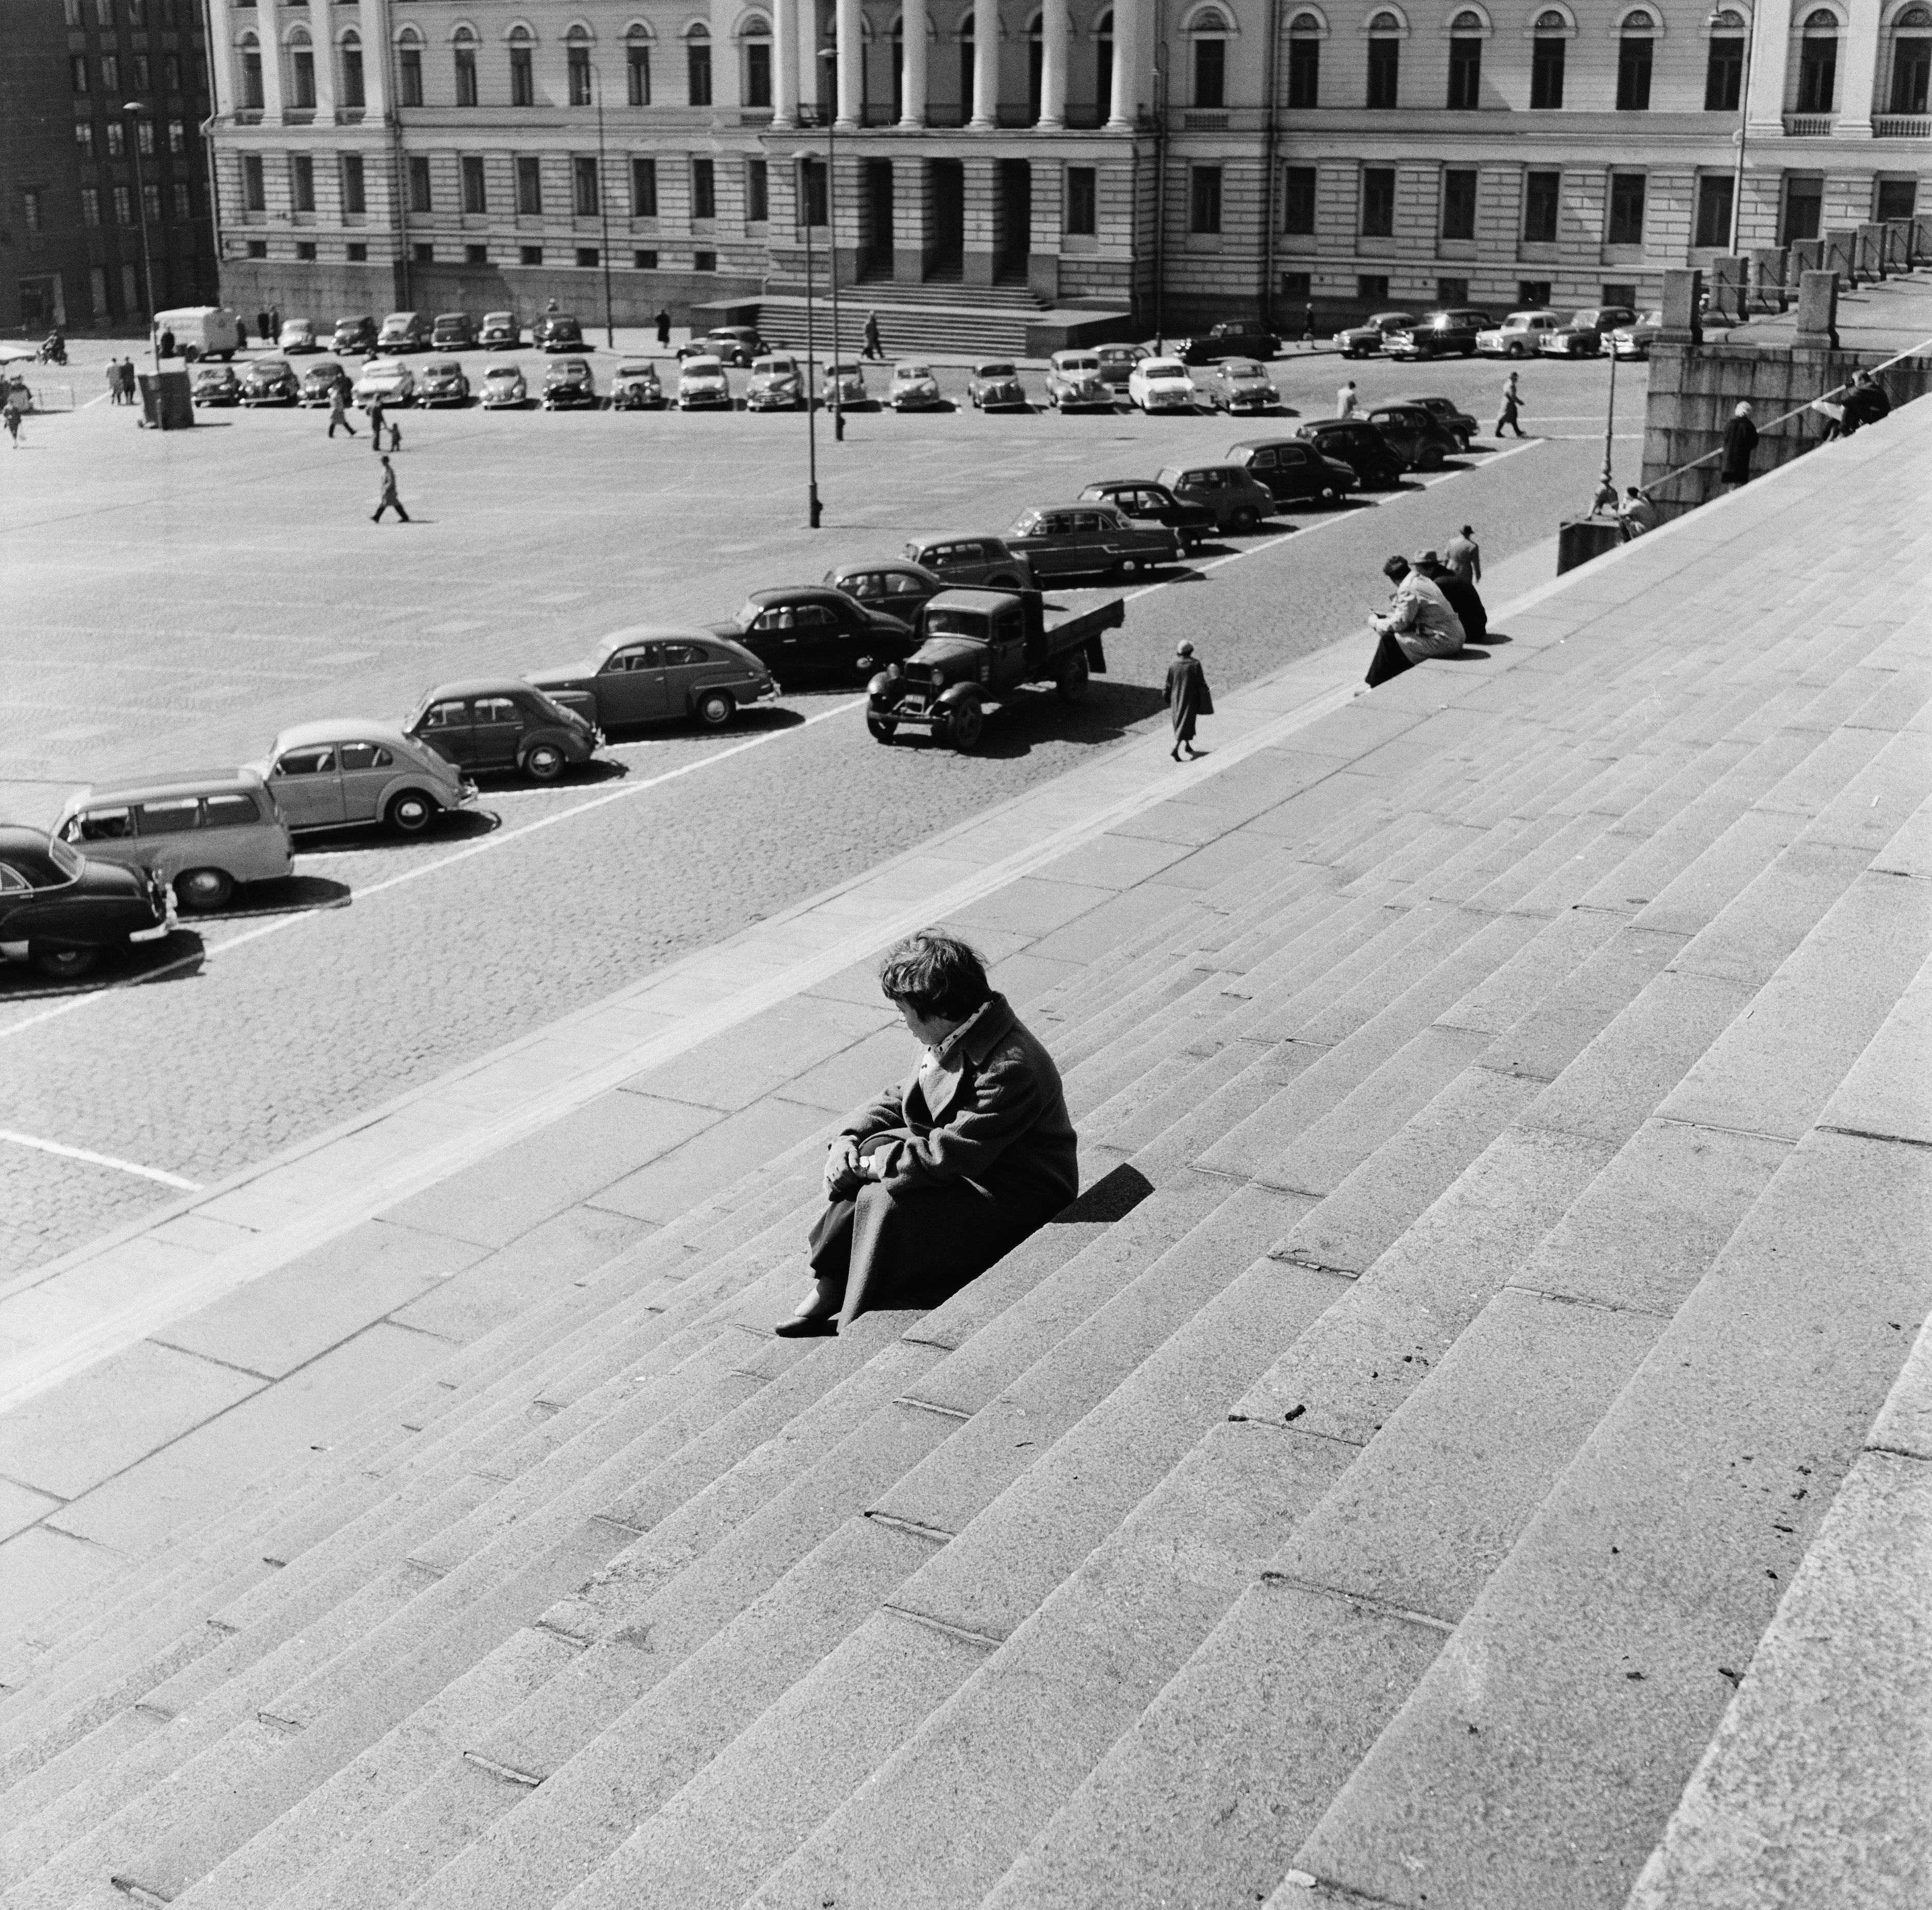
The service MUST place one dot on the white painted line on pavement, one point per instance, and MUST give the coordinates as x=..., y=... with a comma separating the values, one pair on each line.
x=99, y=1160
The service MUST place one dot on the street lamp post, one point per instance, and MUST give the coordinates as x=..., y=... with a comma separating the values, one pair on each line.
x=133, y=110
x=832, y=247
x=801, y=161
x=1606, y=489
x=604, y=208
x=1744, y=122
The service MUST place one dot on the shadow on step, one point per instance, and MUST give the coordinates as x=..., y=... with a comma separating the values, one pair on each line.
x=1112, y=1197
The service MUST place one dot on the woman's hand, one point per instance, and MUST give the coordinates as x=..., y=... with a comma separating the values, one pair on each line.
x=842, y=1174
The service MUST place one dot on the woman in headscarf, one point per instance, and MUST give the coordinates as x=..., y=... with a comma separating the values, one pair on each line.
x=1740, y=441
x=1188, y=698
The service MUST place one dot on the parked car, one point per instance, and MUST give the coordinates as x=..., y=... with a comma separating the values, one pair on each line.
x=1451, y=416
x=200, y=834
x=216, y=384
x=842, y=387
x=1221, y=341
x=971, y=560
x=388, y=379
x=995, y=386
x=559, y=332
x=495, y=724
x=1519, y=335
x=60, y=910
x=1074, y=383
x=442, y=381
x=1448, y=334
x=1417, y=436
x=777, y=385
x=897, y=589
x=320, y=381
x=648, y=674
x=1583, y=335
x=297, y=334
x=1089, y=540
x=1635, y=339
x=1367, y=341
x=1356, y=442
x=805, y=633
x=500, y=333
x=1239, y=501
x=1291, y=471
x=568, y=385
x=913, y=388
x=1239, y=384
x=355, y=334
x=403, y=331
x=1146, y=501
x=636, y=387
x=702, y=386
x=270, y=381
x=504, y=388
x=730, y=344
x=1118, y=362
x=347, y=772
x=453, y=332
x=1159, y=384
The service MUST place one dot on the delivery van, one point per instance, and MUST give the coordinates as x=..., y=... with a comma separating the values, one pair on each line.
x=202, y=330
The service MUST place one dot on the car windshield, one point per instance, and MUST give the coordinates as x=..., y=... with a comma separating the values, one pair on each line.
x=1241, y=367
x=1163, y=368
x=997, y=371
x=943, y=623
x=445, y=370
x=1079, y=364
x=702, y=367
x=907, y=372
x=773, y=367
x=271, y=367
x=502, y=374
x=635, y=371
x=845, y=368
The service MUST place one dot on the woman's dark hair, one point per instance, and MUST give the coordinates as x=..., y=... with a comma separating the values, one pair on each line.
x=938, y=976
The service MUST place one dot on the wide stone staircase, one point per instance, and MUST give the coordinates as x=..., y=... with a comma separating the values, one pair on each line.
x=988, y=321
x=1372, y=1491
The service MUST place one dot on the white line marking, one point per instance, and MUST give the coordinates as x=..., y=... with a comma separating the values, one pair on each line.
x=99, y=1160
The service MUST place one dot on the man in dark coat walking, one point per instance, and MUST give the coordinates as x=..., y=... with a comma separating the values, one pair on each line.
x=932, y=1183
x=873, y=348
x=1189, y=698
x=664, y=330
x=390, y=501
x=1740, y=441
x=375, y=424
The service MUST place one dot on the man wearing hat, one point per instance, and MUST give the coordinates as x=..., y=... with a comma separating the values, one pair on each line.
x=1462, y=596
x=1418, y=624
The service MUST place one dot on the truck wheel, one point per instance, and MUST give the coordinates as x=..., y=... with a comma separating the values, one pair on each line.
x=968, y=720
x=203, y=888
x=1072, y=683
x=882, y=729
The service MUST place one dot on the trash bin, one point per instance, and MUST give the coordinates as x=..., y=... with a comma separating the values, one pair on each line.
x=167, y=404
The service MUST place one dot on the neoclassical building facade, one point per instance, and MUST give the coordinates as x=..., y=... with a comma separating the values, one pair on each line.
x=1177, y=159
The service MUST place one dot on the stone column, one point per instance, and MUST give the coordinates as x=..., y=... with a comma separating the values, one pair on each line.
x=851, y=41
x=912, y=220
x=325, y=52
x=376, y=54
x=912, y=73
x=986, y=64
x=785, y=63
x=1127, y=58
x=271, y=70
x=1053, y=38
x=1770, y=60
x=1857, y=72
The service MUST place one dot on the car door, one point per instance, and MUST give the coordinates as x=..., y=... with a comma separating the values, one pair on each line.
x=496, y=732
x=17, y=903
x=631, y=686
x=1294, y=475
x=366, y=770
x=444, y=728
x=1098, y=540
x=161, y=825
x=1056, y=547
x=685, y=667
x=308, y=786
x=818, y=629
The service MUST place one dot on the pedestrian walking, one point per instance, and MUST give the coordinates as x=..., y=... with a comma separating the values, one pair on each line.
x=1189, y=698
x=338, y=408
x=376, y=415
x=873, y=348
x=274, y=322
x=1418, y=624
x=1507, y=418
x=390, y=501
x=1308, y=325
x=113, y=381
x=1464, y=556
x=128, y=381
x=1347, y=400
x=1740, y=441
x=12, y=414
x=664, y=330
x=262, y=331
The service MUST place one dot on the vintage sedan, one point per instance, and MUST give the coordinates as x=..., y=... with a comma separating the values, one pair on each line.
x=501, y=332
x=1118, y=362
x=1583, y=335
x=297, y=334
x=649, y=675
x=842, y=387
x=442, y=381
x=1160, y=384
x=1417, y=436
x=505, y=389
x=320, y=381
x=1239, y=384
x=994, y=386
x=777, y=385
x=403, y=331
x=807, y=633
x=568, y=385
x=216, y=384
x=1146, y=501
x=913, y=388
x=270, y=381
x=1074, y=382
x=1239, y=500
x=636, y=387
x=730, y=344
x=971, y=560
x=453, y=332
x=1447, y=334
x=559, y=332
x=388, y=379
x=899, y=589
x=1293, y=472
x=1367, y=341
x=351, y=772
x=356, y=333
x=1519, y=335
x=1231, y=341
x=1089, y=540
x=1635, y=339
x=59, y=909
x=1356, y=442
x=1451, y=416
x=495, y=724
x=702, y=386
x=201, y=834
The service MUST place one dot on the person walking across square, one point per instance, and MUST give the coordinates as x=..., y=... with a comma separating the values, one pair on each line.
x=1346, y=401
x=1507, y=418
x=390, y=501
x=338, y=408
x=1189, y=698
x=1464, y=555
x=376, y=416
x=664, y=330
x=874, y=348
x=12, y=416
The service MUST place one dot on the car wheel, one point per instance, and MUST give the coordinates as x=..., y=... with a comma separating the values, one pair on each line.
x=543, y=762
x=1071, y=684
x=1127, y=568
x=65, y=964
x=968, y=721
x=1246, y=518
x=203, y=888
x=715, y=709
x=882, y=729
x=410, y=813
x=1431, y=458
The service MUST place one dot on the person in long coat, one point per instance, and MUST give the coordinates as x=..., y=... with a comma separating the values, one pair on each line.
x=1189, y=698
x=1740, y=441
x=940, y=1177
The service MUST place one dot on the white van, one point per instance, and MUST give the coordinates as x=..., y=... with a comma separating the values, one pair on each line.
x=202, y=330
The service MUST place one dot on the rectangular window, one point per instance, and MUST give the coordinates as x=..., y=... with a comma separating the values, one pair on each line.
x=1298, y=288
x=83, y=137
x=704, y=189
x=1210, y=72
x=1082, y=201
x=529, y=255
x=419, y=193
x=1385, y=73
x=1372, y=288
x=1204, y=199
x=529, y=186
x=758, y=207
x=150, y=204
x=258, y=248
x=70, y=10
x=1626, y=197
x=79, y=67
x=184, y=203
x=475, y=255
x=30, y=210
x=757, y=73
x=1378, y=202
x=301, y=81
x=171, y=72
x=1633, y=73
x=704, y=261
x=584, y=188
x=96, y=289
x=124, y=205
x=252, y=198
x=697, y=72
x=1465, y=74
x=579, y=62
x=355, y=199
x=644, y=261
x=90, y=205
x=1297, y=198
x=1817, y=73
x=305, y=248
x=357, y=251
x=110, y=73
x=351, y=77
x=144, y=136
x=465, y=76
x=177, y=136
x=1543, y=193
x=251, y=82
x=638, y=66
x=811, y=185
x=301, y=183
x=143, y=73
x=1546, y=73
x=644, y=188
x=1532, y=294
x=1714, y=210
x=1911, y=74
x=1724, y=75
x=475, y=195
x=117, y=140
x=523, y=78
x=586, y=255
x=1459, y=203
x=137, y=12
x=424, y=252
x=1897, y=199
x=1452, y=292
x=409, y=72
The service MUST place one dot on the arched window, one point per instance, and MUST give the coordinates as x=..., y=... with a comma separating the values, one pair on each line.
x=1818, y=63
x=1465, y=61
x=1724, y=68
x=1384, y=61
x=1209, y=32
x=1911, y=61
x=1304, y=62
x=408, y=68
x=755, y=77
x=250, y=50
x=349, y=89
x=1635, y=38
x=637, y=64
x=463, y=49
x=577, y=64
x=697, y=64
x=1548, y=51
x=301, y=70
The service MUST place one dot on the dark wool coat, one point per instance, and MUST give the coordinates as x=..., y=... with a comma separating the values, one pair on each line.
x=1188, y=695
x=1464, y=600
x=1740, y=441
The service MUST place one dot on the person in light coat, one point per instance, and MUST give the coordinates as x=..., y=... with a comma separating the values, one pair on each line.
x=1418, y=624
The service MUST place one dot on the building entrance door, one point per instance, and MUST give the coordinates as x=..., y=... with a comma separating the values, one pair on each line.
x=875, y=240
x=1013, y=242
x=41, y=305
x=948, y=218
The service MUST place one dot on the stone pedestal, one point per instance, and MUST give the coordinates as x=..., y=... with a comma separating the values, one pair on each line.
x=1579, y=539
x=1727, y=286
x=1871, y=250
x=1682, y=293
x=1818, y=311
x=1769, y=265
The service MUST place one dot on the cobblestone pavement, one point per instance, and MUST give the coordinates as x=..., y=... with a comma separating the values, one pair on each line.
x=176, y=598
